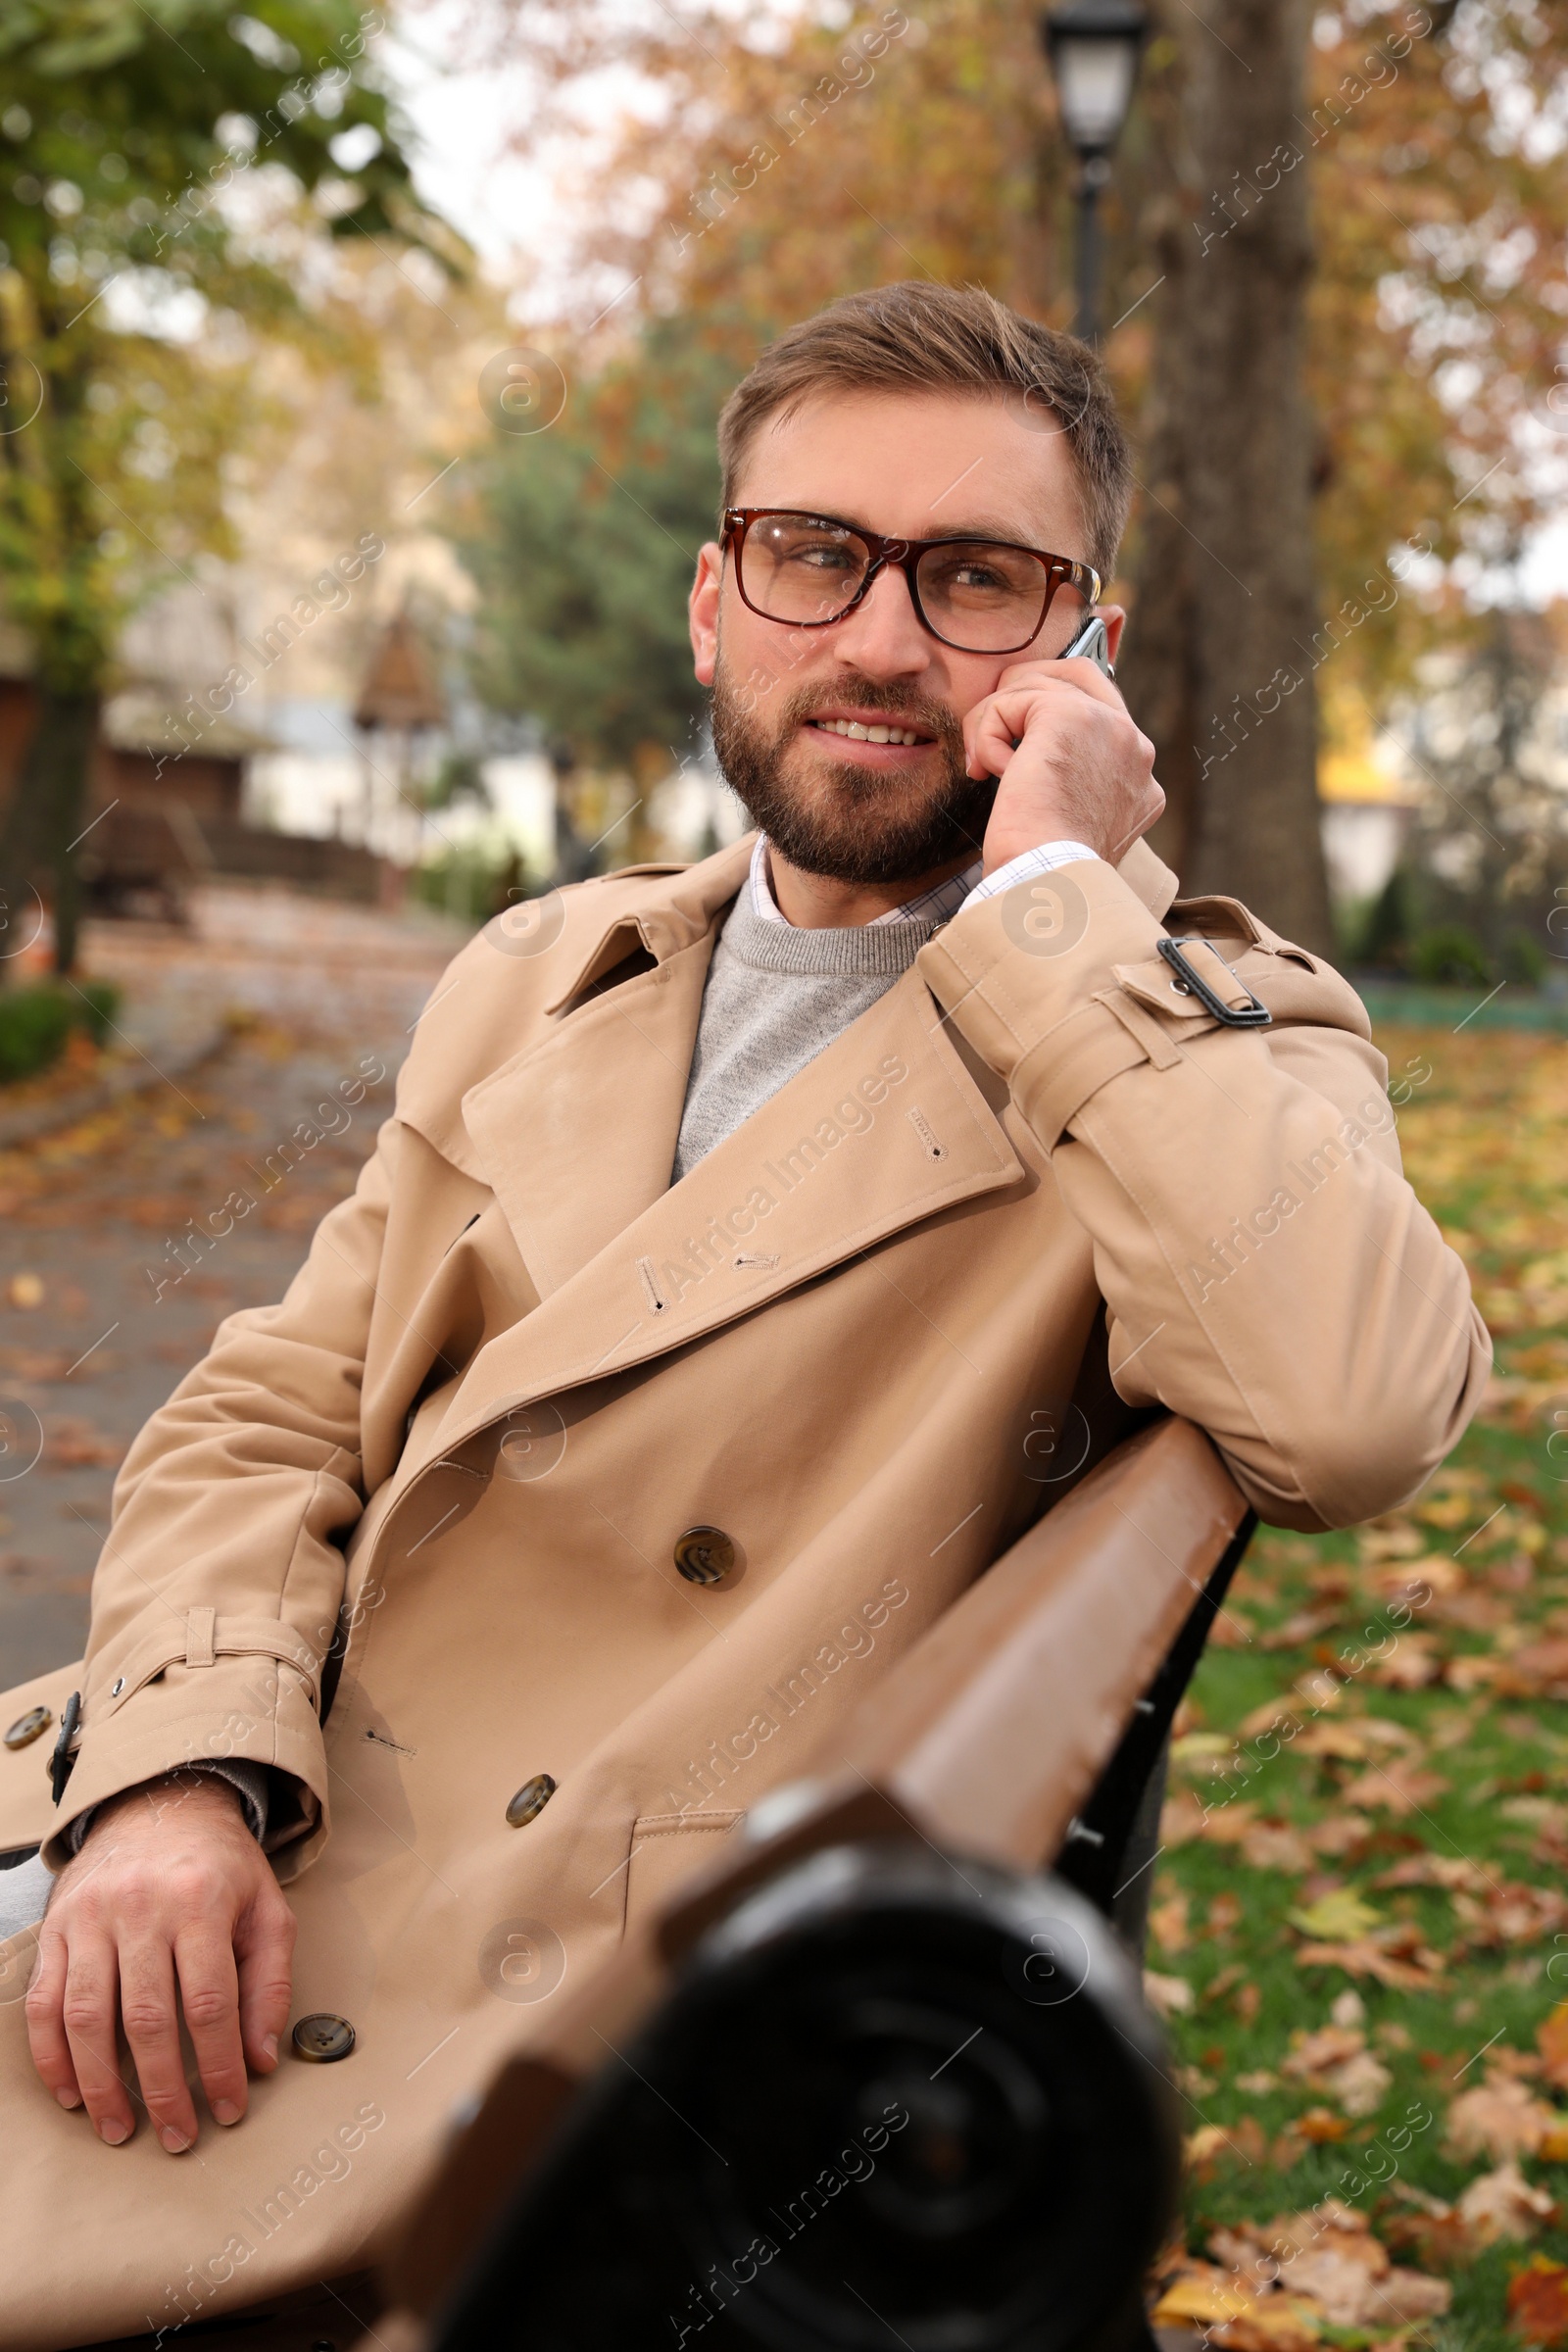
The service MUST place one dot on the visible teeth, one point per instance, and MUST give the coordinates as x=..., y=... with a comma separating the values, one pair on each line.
x=864, y=734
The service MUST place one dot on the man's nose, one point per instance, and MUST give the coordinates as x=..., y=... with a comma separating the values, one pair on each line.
x=883, y=635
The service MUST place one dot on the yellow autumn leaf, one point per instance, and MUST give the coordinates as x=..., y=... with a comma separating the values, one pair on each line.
x=1336, y=1918
x=1201, y=2299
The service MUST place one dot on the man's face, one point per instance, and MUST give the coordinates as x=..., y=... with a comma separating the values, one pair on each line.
x=911, y=466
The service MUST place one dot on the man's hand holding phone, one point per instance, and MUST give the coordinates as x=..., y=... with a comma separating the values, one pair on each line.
x=1072, y=765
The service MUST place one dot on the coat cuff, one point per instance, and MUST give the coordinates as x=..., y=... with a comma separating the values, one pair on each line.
x=256, y=1709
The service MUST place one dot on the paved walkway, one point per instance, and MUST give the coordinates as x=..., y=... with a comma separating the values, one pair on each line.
x=119, y=1257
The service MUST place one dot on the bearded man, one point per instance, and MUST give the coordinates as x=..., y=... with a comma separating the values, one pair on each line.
x=755, y=1248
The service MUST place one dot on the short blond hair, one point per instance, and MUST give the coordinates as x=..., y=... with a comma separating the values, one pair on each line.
x=918, y=337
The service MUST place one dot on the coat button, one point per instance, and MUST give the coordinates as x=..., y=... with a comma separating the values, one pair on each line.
x=530, y=1800
x=29, y=1728
x=704, y=1556
x=323, y=2038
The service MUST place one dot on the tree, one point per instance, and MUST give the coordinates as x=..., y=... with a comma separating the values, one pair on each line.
x=155, y=158
x=582, y=539
x=1487, y=859
x=1397, y=291
x=1226, y=590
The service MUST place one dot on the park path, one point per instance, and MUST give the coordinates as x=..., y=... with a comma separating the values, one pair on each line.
x=123, y=1241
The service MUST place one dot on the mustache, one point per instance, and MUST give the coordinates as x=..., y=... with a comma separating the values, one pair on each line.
x=872, y=694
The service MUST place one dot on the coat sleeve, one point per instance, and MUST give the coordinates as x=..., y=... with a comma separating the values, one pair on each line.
x=1268, y=1272
x=215, y=1599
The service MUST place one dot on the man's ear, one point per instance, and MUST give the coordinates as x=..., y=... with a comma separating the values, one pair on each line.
x=702, y=611
x=1115, y=617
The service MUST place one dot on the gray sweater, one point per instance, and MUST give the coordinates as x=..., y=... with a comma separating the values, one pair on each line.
x=775, y=997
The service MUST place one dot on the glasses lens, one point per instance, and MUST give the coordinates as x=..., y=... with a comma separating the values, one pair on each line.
x=795, y=567
x=982, y=597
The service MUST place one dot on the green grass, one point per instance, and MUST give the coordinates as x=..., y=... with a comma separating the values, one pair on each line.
x=1483, y=1133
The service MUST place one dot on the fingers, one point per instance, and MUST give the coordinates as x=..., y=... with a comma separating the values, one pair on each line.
x=87, y=2010
x=264, y=1945
x=152, y=2029
x=46, y=2031
x=1076, y=670
x=994, y=729
x=209, y=1995
x=167, y=1909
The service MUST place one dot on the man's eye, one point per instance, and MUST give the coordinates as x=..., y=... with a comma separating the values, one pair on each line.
x=822, y=559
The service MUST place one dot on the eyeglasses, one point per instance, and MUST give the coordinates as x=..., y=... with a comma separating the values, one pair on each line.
x=980, y=596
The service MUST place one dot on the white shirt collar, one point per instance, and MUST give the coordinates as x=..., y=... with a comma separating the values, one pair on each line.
x=938, y=904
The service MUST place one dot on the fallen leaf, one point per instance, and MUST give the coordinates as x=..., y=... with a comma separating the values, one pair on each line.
x=1341, y=1834
x=1314, y=2054
x=1201, y=1745
x=1413, y=1664
x=1321, y=2126
x=1508, y=1913
x=1342, y=1914
x=1538, y=2301
x=1364, y=1958
x=1168, y=1924
x=1259, y=2083
x=1167, y=1996
x=1449, y=1871
x=1537, y=1670
x=1361, y=2084
x=1344, y=1740
x=1228, y=1825
x=1500, y=2119
x=1205, y=2296
x=1274, y=1715
x=1329, y=2261
x=1390, y=1540
x=1401, y=1785
x=1503, y=2205
x=1305, y=1626
x=25, y=1290
x=1275, y=1846
x=1472, y=1673
x=1406, y=1578
x=1181, y=1819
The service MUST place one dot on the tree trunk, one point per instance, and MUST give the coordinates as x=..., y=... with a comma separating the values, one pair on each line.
x=1221, y=654
x=38, y=844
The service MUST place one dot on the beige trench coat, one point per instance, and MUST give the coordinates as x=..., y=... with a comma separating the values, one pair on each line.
x=862, y=1338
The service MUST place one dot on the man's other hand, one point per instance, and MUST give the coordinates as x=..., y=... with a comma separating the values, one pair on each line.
x=1073, y=765
x=169, y=1890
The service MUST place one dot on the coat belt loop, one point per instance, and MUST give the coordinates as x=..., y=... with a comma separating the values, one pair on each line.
x=199, y=1625
x=1155, y=1040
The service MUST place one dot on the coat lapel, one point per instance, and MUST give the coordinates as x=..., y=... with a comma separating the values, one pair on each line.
x=883, y=1129
x=576, y=1135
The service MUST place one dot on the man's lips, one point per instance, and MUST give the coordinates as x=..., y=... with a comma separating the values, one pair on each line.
x=876, y=738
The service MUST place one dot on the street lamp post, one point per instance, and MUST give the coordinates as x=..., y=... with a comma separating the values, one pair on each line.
x=1093, y=48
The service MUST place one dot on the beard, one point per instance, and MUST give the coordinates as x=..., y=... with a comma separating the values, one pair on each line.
x=841, y=821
